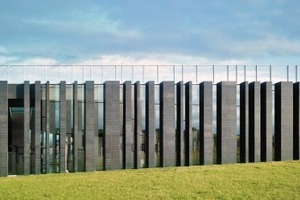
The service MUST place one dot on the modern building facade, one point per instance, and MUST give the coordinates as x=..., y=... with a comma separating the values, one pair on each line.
x=58, y=128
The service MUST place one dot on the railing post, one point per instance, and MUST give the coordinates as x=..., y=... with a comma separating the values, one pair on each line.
x=90, y=72
x=270, y=73
x=174, y=73
x=236, y=73
x=157, y=73
x=182, y=73
x=227, y=72
x=196, y=73
x=213, y=73
x=115, y=72
x=287, y=72
x=255, y=72
x=245, y=72
x=143, y=74
x=296, y=72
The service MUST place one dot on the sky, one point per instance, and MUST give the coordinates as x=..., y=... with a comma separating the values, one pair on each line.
x=150, y=32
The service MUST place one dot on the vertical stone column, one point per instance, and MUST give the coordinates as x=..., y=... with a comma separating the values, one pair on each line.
x=96, y=134
x=137, y=124
x=89, y=141
x=43, y=129
x=244, y=122
x=47, y=126
x=284, y=121
x=206, y=135
x=266, y=122
x=179, y=124
x=254, y=122
x=296, y=123
x=37, y=128
x=112, y=125
x=150, y=125
x=75, y=127
x=167, y=124
x=127, y=127
x=63, y=126
x=188, y=133
x=26, y=128
x=3, y=129
x=226, y=122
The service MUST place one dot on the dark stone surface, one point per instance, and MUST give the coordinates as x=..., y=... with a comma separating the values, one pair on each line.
x=254, y=122
x=226, y=123
x=179, y=124
x=206, y=135
x=112, y=126
x=150, y=125
x=266, y=122
x=244, y=122
x=296, y=118
x=137, y=125
x=62, y=126
x=128, y=136
x=89, y=141
x=167, y=124
x=188, y=134
x=284, y=121
x=26, y=135
x=3, y=129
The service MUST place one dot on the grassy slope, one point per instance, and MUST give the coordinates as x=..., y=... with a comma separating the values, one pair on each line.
x=280, y=180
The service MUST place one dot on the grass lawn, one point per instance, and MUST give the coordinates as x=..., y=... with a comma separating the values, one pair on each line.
x=275, y=180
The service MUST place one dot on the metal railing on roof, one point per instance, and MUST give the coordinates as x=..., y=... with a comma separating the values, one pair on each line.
x=144, y=73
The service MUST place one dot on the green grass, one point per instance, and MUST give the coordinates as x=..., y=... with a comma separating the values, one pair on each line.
x=275, y=180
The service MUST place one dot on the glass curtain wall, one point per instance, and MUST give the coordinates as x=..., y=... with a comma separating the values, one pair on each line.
x=195, y=125
x=157, y=125
x=99, y=107
x=143, y=136
x=81, y=128
x=54, y=128
x=69, y=147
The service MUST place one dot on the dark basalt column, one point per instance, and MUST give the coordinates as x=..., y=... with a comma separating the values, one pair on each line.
x=284, y=121
x=206, y=135
x=226, y=123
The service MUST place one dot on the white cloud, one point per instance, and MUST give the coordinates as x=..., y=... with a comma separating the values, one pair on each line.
x=3, y=50
x=158, y=59
x=38, y=61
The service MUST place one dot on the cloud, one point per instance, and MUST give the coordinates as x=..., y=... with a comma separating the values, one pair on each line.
x=39, y=61
x=147, y=33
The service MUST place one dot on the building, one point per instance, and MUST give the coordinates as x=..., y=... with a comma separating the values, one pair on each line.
x=90, y=126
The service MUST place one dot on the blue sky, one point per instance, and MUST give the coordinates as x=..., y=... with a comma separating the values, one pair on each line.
x=150, y=32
